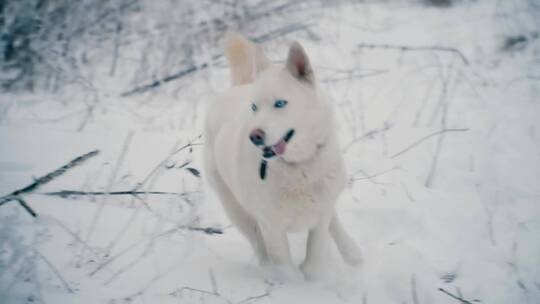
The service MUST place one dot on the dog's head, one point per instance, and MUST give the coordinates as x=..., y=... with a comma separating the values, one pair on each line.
x=290, y=117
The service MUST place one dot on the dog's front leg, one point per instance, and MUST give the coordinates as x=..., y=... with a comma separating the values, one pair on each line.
x=317, y=251
x=279, y=264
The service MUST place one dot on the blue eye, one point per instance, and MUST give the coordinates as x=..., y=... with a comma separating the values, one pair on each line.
x=253, y=107
x=280, y=103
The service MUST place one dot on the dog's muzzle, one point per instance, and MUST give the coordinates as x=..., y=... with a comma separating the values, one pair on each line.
x=257, y=138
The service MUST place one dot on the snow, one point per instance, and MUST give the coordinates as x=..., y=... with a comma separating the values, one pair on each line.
x=472, y=229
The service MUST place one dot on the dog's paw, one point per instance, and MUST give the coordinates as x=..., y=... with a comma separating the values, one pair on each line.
x=282, y=274
x=313, y=271
x=353, y=256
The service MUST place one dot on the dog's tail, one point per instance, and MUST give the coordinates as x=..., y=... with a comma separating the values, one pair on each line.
x=244, y=57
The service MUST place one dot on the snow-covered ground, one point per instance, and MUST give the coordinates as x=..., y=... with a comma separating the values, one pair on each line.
x=442, y=151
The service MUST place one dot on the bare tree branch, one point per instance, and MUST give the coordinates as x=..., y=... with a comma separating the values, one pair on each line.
x=69, y=193
x=417, y=48
x=416, y=143
x=157, y=83
x=282, y=31
x=16, y=195
x=455, y=297
x=48, y=177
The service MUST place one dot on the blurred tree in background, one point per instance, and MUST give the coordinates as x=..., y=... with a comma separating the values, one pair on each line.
x=41, y=39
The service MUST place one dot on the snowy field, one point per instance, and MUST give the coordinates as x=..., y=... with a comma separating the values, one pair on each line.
x=441, y=140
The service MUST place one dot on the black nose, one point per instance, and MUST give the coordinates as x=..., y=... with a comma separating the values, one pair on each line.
x=257, y=137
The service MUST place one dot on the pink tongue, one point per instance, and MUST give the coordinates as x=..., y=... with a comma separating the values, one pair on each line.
x=279, y=148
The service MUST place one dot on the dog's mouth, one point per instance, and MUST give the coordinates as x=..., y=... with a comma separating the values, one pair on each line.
x=279, y=147
x=273, y=150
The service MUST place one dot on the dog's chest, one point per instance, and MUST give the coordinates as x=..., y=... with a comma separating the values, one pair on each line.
x=294, y=203
x=291, y=197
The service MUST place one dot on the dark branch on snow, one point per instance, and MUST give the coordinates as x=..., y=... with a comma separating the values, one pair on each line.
x=157, y=83
x=457, y=297
x=69, y=193
x=16, y=195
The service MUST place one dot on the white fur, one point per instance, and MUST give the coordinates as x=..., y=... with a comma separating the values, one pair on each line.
x=302, y=185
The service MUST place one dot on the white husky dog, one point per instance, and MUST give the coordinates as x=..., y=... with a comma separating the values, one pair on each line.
x=273, y=157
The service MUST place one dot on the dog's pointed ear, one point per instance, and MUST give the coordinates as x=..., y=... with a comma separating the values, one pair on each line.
x=246, y=59
x=298, y=63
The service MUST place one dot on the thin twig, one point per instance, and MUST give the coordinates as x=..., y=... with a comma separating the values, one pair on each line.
x=491, y=232
x=282, y=31
x=116, y=240
x=416, y=48
x=147, y=250
x=409, y=195
x=455, y=297
x=55, y=271
x=69, y=231
x=425, y=100
x=248, y=299
x=354, y=76
x=118, y=29
x=414, y=293
x=90, y=109
x=162, y=163
x=369, y=134
x=179, y=292
x=213, y=280
x=207, y=230
x=154, y=280
x=367, y=176
x=416, y=143
x=25, y=206
x=434, y=161
x=127, y=267
x=444, y=101
x=113, y=258
x=111, y=180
